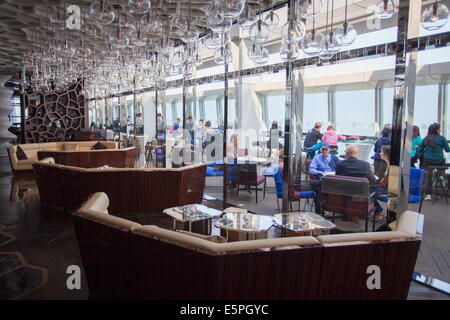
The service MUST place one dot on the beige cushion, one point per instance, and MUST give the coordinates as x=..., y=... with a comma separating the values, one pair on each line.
x=25, y=164
x=216, y=239
x=408, y=222
x=96, y=209
x=98, y=201
x=107, y=220
x=68, y=146
x=47, y=160
x=201, y=244
x=367, y=237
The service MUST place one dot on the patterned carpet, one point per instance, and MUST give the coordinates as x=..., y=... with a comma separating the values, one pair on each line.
x=17, y=277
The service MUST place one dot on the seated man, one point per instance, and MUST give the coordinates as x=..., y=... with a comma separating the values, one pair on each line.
x=352, y=167
x=323, y=162
x=320, y=165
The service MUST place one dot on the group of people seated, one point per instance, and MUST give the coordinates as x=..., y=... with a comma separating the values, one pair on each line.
x=430, y=152
x=315, y=139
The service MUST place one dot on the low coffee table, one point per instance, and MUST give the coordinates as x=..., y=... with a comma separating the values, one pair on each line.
x=295, y=224
x=193, y=218
x=238, y=226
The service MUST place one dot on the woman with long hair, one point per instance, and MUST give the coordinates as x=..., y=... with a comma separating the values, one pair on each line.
x=415, y=144
x=432, y=150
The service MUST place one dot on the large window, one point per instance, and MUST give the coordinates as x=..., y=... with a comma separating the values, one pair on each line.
x=275, y=110
x=315, y=108
x=355, y=112
x=426, y=106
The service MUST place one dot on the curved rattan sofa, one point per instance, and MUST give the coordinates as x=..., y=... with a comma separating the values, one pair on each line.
x=148, y=262
x=83, y=157
x=130, y=190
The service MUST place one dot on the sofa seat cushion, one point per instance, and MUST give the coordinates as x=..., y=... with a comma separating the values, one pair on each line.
x=71, y=146
x=216, y=239
x=21, y=155
x=107, y=220
x=367, y=237
x=195, y=243
x=25, y=164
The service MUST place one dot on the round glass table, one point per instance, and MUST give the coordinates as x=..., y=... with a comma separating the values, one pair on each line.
x=239, y=226
x=295, y=224
x=193, y=218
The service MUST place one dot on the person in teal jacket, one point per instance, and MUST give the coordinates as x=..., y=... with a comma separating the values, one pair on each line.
x=416, y=142
x=432, y=150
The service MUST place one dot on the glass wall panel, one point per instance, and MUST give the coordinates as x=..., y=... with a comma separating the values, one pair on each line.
x=253, y=149
x=208, y=136
x=388, y=102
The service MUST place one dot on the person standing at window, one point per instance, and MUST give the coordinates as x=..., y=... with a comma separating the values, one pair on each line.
x=415, y=144
x=432, y=150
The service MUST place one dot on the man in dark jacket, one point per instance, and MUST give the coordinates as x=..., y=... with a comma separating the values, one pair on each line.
x=353, y=167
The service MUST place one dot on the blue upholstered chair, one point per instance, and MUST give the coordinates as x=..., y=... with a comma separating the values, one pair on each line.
x=295, y=195
x=416, y=186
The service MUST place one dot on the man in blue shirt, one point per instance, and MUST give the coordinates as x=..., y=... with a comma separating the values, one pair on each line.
x=323, y=162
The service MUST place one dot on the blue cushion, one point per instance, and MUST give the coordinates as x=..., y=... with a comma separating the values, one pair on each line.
x=307, y=194
x=211, y=173
x=413, y=198
x=383, y=198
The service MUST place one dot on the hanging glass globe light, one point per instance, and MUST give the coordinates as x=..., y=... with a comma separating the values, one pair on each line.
x=255, y=51
x=178, y=58
x=218, y=24
x=289, y=51
x=101, y=12
x=259, y=31
x=139, y=6
x=312, y=43
x=139, y=39
x=385, y=9
x=188, y=70
x=331, y=47
x=119, y=40
x=272, y=19
x=188, y=34
x=198, y=61
x=293, y=31
x=215, y=40
x=435, y=17
x=230, y=8
x=247, y=18
x=222, y=56
x=127, y=27
x=347, y=33
x=263, y=57
x=309, y=9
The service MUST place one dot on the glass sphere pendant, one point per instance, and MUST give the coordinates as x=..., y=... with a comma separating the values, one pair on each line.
x=385, y=9
x=222, y=56
x=435, y=17
x=347, y=33
x=313, y=43
x=309, y=9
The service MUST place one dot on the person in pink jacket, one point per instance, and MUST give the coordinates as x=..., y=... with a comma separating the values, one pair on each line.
x=332, y=137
